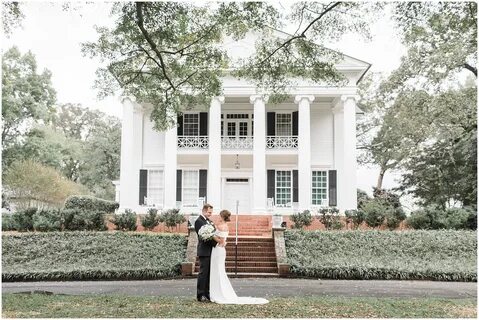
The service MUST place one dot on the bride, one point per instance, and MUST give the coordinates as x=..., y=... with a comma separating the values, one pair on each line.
x=221, y=290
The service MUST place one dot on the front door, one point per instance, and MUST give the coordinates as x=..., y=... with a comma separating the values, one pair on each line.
x=237, y=189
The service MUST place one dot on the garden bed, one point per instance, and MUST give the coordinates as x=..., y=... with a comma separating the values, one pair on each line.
x=80, y=255
x=446, y=255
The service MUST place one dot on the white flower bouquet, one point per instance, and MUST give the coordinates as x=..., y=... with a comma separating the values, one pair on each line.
x=207, y=232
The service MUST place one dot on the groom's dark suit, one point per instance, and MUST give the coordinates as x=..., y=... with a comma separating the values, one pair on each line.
x=204, y=253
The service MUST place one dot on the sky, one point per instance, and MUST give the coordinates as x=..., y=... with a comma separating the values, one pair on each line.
x=54, y=37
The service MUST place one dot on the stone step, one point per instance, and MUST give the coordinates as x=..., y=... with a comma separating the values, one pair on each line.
x=247, y=258
x=250, y=244
x=247, y=275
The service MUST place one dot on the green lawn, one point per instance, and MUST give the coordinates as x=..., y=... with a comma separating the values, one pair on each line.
x=116, y=306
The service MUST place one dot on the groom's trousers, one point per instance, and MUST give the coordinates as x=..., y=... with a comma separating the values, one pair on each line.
x=203, y=284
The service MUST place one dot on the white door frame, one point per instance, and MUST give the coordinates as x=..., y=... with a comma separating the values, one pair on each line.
x=236, y=173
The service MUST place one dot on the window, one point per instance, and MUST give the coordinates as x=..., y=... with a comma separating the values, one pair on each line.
x=190, y=187
x=283, y=188
x=191, y=124
x=155, y=187
x=319, y=193
x=283, y=124
x=243, y=129
x=231, y=129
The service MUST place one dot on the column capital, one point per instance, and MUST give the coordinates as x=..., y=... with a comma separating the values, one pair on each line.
x=253, y=98
x=299, y=97
x=345, y=97
x=220, y=99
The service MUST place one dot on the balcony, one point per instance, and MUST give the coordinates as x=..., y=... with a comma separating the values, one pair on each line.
x=193, y=142
x=235, y=143
x=281, y=142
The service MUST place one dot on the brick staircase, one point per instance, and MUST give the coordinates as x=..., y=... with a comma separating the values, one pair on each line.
x=256, y=253
x=256, y=258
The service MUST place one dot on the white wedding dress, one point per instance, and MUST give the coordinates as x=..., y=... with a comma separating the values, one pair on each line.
x=221, y=290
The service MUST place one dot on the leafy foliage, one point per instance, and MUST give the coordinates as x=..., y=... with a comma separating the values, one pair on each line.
x=434, y=218
x=31, y=184
x=356, y=217
x=415, y=254
x=125, y=221
x=47, y=220
x=301, y=219
x=329, y=217
x=91, y=203
x=78, y=219
x=169, y=54
x=26, y=96
x=171, y=218
x=151, y=220
x=91, y=255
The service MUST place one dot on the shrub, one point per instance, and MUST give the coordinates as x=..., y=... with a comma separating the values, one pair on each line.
x=362, y=198
x=77, y=220
x=47, y=220
x=445, y=255
x=7, y=222
x=329, y=217
x=394, y=217
x=125, y=221
x=22, y=219
x=171, y=218
x=301, y=219
x=375, y=212
x=434, y=218
x=356, y=217
x=91, y=204
x=151, y=220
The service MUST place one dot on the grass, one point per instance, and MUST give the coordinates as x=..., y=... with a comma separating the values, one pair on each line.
x=446, y=255
x=81, y=255
x=116, y=306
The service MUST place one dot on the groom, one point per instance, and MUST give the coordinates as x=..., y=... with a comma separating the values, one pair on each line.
x=204, y=253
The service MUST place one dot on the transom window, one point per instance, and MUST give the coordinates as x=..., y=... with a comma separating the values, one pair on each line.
x=283, y=188
x=191, y=184
x=155, y=187
x=191, y=124
x=237, y=116
x=283, y=124
x=319, y=187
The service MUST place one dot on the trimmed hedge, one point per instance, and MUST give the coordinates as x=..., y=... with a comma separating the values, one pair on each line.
x=90, y=203
x=432, y=218
x=86, y=255
x=445, y=255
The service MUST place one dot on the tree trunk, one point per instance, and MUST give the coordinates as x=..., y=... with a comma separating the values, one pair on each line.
x=379, y=185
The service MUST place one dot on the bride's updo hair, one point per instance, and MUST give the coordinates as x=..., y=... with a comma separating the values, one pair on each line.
x=225, y=215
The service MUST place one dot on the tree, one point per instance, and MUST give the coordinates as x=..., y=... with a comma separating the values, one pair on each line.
x=169, y=54
x=27, y=96
x=441, y=38
x=12, y=16
x=29, y=183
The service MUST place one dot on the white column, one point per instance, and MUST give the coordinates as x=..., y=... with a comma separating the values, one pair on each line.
x=349, y=152
x=131, y=153
x=214, y=155
x=171, y=150
x=259, y=154
x=338, y=115
x=304, y=150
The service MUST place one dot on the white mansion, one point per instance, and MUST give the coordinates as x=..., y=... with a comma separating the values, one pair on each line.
x=284, y=158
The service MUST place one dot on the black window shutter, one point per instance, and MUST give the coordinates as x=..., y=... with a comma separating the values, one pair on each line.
x=295, y=123
x=143, y=185
x=203, y=123
x=179, y=126
x=203, y=183
x=271, y=121
x=271, y=183
x=332, y=188
x=178, y=185
x=295, y=186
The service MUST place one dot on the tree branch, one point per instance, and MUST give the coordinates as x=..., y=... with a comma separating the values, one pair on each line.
x=471, y=68
x=139, y=22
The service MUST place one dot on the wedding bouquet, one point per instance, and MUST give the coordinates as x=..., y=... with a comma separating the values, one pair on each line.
x=207, y=232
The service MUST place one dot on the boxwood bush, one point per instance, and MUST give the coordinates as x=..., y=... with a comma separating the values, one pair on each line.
x=301, y=219
x=87, y=255
x=90, y=203
x=125, y=221
x=78, y=219
x=151, y=220
x=47, y=220
x=434, y=218
x=413, y=254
